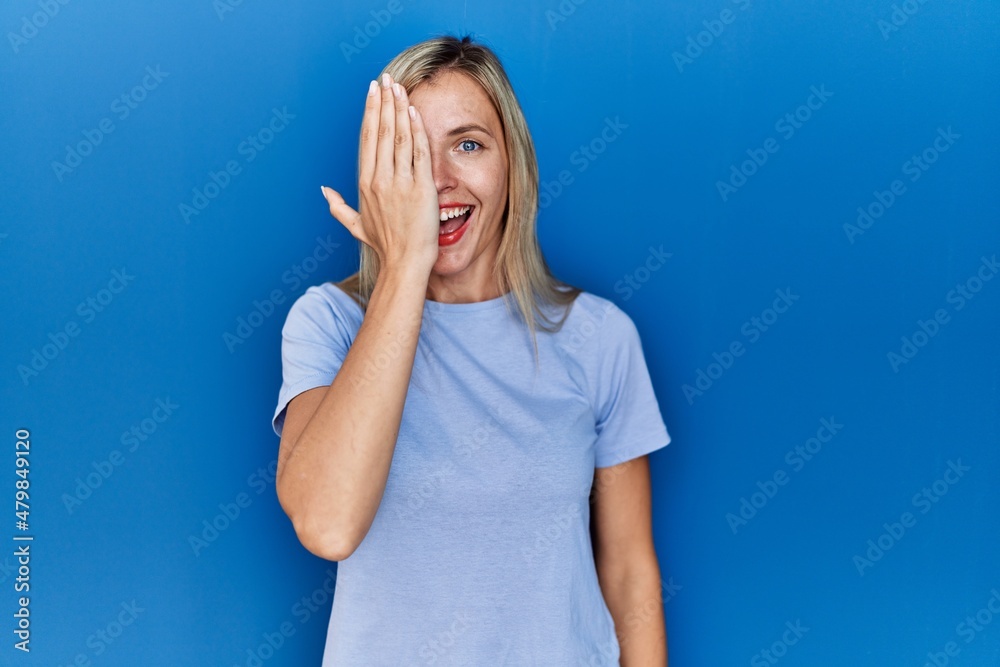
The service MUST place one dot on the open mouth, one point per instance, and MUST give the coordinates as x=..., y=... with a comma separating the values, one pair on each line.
x=456, y=222
x=453, y=218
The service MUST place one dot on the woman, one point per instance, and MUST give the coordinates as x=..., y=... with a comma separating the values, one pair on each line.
x=444, y=456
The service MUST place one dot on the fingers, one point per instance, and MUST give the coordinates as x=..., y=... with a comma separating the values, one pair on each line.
x=386, y=134
x=369, y=133
x=344, y=214
x=404, y=144
x=421, y=150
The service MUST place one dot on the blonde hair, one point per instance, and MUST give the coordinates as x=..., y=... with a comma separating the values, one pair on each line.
x=520, y=267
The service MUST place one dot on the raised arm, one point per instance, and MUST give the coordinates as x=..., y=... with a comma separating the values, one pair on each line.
x=337, y=442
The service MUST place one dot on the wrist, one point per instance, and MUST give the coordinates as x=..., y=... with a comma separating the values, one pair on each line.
x=405, y=275
x=410, y=268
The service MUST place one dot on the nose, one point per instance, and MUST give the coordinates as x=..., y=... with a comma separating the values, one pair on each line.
x=443, y=173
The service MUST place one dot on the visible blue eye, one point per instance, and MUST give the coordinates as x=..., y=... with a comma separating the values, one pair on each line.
x=469, y=141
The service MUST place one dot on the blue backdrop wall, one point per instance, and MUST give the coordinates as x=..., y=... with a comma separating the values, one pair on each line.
x=795, y=201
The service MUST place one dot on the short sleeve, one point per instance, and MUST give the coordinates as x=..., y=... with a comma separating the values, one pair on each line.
x=314, y=341
x=628, y=419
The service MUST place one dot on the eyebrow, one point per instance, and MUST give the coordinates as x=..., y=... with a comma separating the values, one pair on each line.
x=470, y=127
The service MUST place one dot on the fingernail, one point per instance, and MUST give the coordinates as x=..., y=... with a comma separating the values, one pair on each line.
x=396, y=90
x=322, y=189
x=385, y=80
x=372, y=87
x=413, y=113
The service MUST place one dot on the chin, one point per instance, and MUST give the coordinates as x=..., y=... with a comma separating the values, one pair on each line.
x=450, y=263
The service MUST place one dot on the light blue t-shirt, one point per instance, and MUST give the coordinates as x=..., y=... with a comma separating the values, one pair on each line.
x=480, y=552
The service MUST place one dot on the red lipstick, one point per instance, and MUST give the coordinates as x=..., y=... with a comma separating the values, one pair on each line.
x=453, y=237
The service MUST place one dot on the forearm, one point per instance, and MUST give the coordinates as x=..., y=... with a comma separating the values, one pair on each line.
x=333, y=479
x=635, y=601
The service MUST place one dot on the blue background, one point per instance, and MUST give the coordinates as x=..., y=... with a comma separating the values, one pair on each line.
x=689, y=105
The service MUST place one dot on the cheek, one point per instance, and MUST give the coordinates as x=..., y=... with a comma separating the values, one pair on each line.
x=490, y=182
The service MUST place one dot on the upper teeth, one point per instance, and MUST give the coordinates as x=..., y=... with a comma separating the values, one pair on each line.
x=452, y=212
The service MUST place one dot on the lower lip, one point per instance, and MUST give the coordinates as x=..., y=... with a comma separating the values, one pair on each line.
x=453, y=237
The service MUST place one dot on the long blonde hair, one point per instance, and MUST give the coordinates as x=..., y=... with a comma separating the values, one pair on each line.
x=520, y=267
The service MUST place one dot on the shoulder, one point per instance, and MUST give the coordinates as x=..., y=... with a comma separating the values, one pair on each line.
x=590, y=310
x=595, y=325
x=325, y=305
